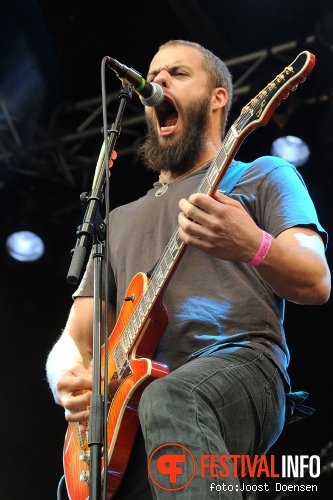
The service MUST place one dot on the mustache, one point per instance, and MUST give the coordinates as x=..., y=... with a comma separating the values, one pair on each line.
x=177, y=155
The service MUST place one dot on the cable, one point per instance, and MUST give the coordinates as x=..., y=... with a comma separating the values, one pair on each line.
x=61, y=482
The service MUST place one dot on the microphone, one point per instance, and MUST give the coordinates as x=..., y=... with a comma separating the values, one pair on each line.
x=151, y=94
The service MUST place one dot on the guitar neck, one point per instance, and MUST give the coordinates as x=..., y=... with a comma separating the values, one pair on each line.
x=255, y=114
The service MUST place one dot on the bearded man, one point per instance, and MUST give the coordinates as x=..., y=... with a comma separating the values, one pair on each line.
x=227, y=392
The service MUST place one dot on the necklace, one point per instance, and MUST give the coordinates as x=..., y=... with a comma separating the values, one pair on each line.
x=165, y=185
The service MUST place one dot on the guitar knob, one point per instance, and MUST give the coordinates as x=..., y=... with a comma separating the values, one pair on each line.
x=84, y=476
x=85, y=456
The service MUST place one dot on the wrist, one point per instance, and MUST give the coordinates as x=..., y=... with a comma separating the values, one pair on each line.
x=63, y=357
x=262, y=251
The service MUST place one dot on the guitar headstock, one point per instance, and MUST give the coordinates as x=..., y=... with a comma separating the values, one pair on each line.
x=259, y=110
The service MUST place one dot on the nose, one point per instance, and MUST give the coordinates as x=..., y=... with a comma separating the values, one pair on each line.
x=163, y=78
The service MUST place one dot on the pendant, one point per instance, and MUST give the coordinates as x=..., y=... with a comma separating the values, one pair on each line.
x=161, y=190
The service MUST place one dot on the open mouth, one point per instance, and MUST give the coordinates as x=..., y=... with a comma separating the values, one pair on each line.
x=167, y=116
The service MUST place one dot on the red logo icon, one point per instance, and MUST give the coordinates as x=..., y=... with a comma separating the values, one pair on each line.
x=171, y=466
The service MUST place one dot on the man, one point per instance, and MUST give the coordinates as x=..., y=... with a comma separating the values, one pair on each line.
x=226, y=393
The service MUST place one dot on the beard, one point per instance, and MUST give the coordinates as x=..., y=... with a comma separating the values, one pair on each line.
x=177, y=155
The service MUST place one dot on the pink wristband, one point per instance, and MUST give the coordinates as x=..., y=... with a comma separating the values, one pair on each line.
x=262, y=250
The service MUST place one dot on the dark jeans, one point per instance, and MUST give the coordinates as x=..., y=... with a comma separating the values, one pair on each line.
x=229, y=403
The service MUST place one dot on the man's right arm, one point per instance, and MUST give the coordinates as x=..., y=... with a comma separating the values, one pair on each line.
x=68, y=365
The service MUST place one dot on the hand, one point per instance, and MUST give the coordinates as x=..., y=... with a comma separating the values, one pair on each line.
x=74, y=393
x=113, y=157
x=219, y=226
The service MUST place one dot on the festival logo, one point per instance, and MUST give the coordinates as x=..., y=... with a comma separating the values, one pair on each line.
x=171, y=467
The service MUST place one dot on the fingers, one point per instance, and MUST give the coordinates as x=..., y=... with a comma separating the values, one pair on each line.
x=206, y=210
x=200, y=204
x=74, y=394
x=76, y=415
x=199, y=209
x=222, y=198
x=77, y=409
x=81, y=419
x=189, y=227
x=211, y=225
x=113, y=157
x=219, y=225
x=75, y=379
x=77, y=401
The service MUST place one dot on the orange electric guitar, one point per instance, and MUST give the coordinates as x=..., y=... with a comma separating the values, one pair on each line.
x=143, y=317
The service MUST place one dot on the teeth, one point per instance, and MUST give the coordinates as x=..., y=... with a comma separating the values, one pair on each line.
x=166, y=129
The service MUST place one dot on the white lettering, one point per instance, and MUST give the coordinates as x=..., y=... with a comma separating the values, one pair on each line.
x=300, y=466
x=295, y=487
x=314, y=460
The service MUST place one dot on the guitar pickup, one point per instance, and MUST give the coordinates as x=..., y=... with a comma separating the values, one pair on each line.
x=84, y=476
x=85, y=456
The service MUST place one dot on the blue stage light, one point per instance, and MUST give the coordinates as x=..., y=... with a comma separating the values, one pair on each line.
x=292, y=149
x=25, y=246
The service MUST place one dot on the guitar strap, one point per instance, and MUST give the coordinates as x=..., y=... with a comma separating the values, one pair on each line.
x=232, y=176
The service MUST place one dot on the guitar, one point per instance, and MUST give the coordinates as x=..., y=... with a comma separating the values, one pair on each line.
x=144, y=318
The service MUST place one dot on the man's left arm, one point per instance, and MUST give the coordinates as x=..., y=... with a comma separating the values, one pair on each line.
x=295, y=266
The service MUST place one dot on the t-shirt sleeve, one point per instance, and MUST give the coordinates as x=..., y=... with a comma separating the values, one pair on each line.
x=283, y=190
x=86, y=286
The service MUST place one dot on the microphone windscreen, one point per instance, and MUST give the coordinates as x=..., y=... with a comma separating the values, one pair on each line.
x=155, y=98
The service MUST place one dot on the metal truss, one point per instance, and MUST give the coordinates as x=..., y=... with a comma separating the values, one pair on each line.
x=68, y=150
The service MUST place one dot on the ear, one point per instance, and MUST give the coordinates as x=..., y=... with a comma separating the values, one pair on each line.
x=219, y=98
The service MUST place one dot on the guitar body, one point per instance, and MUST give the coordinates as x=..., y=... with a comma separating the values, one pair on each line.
x=143, y=317
x=125, y=388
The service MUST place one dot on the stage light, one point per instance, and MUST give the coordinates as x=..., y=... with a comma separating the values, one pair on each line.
x=25, y=246
x=292, y=149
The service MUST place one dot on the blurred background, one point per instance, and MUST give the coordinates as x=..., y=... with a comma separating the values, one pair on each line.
x=50, y=139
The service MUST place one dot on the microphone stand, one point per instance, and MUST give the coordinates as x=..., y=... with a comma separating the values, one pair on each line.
x=94, y=227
